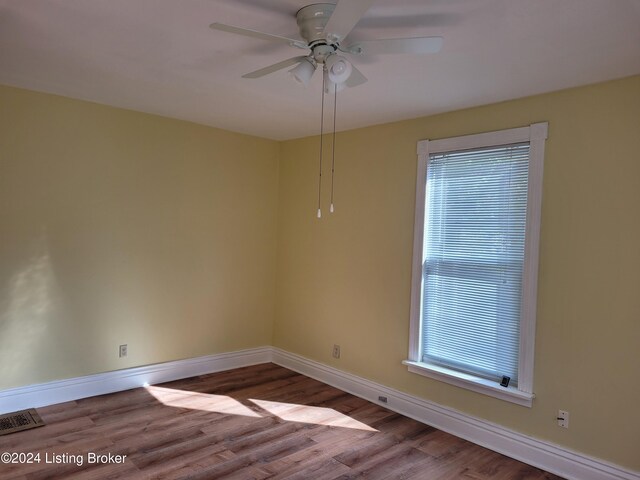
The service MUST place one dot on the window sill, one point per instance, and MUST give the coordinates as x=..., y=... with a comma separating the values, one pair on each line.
x=475, y=384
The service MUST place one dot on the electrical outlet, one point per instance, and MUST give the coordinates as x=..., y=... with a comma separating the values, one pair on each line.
x=563, y=419
x=382, y=399
x=336, y=351
x=122, y=351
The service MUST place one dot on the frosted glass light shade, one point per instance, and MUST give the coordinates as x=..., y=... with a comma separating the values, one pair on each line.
x=339, y=69
x=331, y=87
x=304, y=71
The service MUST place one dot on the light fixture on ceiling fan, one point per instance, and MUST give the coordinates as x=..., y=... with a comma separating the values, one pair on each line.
x=324, y=28
x=304, y=71
x=338, y=68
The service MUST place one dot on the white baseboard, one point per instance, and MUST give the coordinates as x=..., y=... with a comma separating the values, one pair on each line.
x=41, y=395
x=553, y=458
x=547, y=456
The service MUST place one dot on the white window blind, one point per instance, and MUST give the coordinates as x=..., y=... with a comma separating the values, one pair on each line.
x=473, y=254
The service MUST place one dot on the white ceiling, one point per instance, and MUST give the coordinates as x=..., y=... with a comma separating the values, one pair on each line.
x=159, y=56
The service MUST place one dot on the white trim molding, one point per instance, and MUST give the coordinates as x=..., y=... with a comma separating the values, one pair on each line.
x=523, y=394
x=545, y=455
x=43, y=394
x=470, y=382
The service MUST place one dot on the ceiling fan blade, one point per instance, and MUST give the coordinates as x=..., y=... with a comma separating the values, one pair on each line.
x=356, y=78
x=417, y=45
x=344, y=18
x=255, y=34
x=275, y=67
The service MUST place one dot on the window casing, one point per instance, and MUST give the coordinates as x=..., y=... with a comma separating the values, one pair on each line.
x=473, y=301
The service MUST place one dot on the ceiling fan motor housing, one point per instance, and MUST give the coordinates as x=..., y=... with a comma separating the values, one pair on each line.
x=312, y=20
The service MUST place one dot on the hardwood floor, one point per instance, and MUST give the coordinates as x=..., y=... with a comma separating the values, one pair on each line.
x=259, y=422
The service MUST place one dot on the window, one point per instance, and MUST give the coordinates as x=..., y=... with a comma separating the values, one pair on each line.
x=474, y=280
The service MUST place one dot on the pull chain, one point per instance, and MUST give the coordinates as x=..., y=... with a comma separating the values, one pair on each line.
x=321, y=133
x=333, y=153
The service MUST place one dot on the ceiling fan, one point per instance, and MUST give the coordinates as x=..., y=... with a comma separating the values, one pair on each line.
x=325, y=28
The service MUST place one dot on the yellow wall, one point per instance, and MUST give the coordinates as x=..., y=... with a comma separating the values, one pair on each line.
x=119, y=227
x=345, y=279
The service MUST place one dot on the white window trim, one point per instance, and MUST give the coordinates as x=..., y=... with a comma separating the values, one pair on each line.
x=535, y=134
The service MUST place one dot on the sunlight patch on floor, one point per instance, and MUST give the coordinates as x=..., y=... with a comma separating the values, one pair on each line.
x=292, y=412
x=289, y=412
x=200, y=401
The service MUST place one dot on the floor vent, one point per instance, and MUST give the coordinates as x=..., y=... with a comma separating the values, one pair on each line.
x=17, y=421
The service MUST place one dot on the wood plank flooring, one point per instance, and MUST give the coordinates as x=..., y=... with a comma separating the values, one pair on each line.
x=259, y=422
